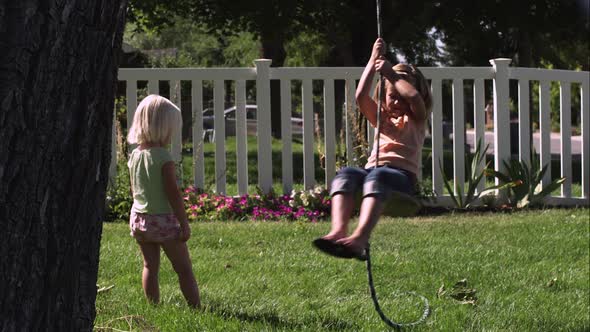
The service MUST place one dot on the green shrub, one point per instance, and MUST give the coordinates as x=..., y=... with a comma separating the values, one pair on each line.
x=474, y=177
x=118, y=198
x=524, y=182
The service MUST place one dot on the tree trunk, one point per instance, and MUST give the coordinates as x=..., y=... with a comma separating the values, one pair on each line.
x=525, y=49
x=273, y=48
x=58, y=70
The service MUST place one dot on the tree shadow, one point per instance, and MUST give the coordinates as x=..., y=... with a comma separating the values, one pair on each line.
x=271, y=318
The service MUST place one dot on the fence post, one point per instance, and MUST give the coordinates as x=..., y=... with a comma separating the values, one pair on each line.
x=177, y=135
x=263, y=120
x=348, y=116
x=501, y=116
x=585, y=110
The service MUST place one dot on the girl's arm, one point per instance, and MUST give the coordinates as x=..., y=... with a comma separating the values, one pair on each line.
x=377, y=63
x=367, y=105
x=175, y=199
x=405, y=89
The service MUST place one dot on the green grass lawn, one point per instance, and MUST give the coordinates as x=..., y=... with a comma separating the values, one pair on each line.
x=530, y=270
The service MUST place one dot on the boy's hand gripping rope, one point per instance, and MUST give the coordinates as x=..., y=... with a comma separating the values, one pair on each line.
x=384, y=318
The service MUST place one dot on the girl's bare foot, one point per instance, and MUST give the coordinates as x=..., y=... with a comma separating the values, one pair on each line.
x=334, y=236
x=355, y=244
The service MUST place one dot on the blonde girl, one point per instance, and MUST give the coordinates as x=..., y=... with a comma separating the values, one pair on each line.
x=405, y=109
x=158, y=218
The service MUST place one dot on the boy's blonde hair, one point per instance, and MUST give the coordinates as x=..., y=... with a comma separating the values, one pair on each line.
x=156, y=119
x=417, y=79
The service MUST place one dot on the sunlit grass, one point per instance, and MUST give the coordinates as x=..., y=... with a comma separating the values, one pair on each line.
x=530, y=270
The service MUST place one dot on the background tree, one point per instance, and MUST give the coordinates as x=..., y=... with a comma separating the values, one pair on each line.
x=58, y=63
x=533, y=33
x=272, y=21
x=351, y=28
x=529, y=32
x=348, y=28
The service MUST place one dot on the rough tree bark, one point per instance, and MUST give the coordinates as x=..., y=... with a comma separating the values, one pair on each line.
x=58, y=70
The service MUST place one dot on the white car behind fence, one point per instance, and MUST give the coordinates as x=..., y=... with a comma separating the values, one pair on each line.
x=251, y=122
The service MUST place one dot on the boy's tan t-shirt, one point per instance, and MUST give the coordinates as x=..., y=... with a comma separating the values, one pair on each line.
x=147, y=183
x=400, y=143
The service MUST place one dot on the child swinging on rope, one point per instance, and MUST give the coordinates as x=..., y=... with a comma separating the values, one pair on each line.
x=405, y=109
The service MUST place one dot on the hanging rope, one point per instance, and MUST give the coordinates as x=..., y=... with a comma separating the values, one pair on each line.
x=380, y=91
x=389, y=322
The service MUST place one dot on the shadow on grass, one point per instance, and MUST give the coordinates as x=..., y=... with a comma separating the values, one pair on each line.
x=271, y=318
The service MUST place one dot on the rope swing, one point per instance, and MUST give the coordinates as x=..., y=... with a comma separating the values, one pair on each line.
x=389, y=322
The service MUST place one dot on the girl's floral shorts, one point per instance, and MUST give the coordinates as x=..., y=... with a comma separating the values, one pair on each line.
x=154, y=227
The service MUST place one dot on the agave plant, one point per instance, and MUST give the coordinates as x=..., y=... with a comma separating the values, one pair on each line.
x=474, y=177
x=524, y=182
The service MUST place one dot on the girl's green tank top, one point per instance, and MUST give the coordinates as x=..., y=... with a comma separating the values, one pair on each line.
x=147, y=183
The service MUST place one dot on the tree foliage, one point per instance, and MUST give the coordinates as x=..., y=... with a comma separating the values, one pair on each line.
x=272, y=22
x=340, y=33
x=193, y=45
x=347, y=28
x=527, y=31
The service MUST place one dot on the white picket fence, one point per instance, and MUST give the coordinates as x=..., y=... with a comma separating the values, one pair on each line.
x=500, y=73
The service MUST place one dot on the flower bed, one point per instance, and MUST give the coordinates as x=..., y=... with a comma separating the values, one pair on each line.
x=310, y=205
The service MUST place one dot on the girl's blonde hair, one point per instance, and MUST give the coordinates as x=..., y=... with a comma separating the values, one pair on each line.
x=417, y=79
x=156, y=119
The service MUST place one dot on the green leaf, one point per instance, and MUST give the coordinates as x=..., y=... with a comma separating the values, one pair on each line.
x=460, y=197
x=523, y=202
x=496, y=187
x=498, y=175
x=538, y=177
x=447, y=184
x=550, y=187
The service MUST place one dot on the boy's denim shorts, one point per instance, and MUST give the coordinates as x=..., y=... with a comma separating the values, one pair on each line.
x=379, y=181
